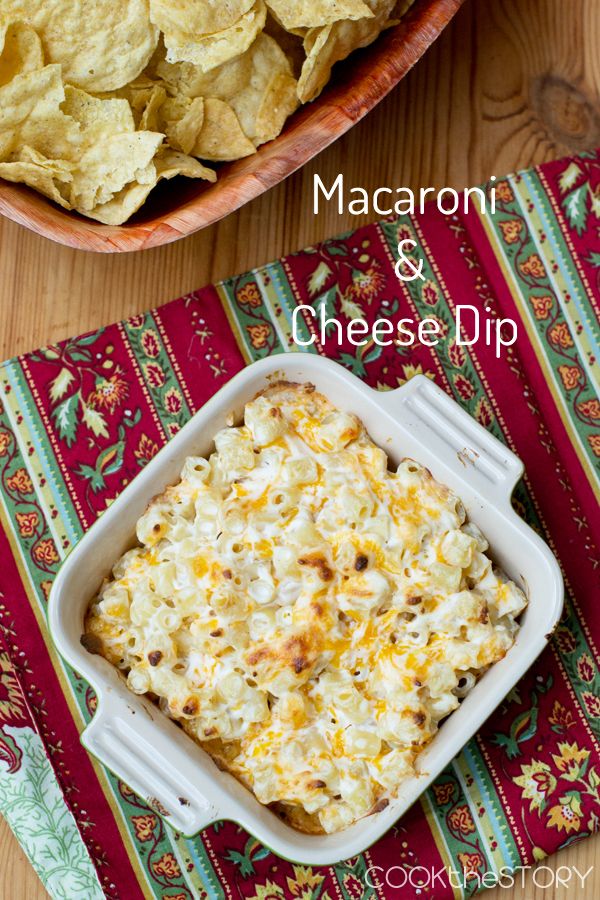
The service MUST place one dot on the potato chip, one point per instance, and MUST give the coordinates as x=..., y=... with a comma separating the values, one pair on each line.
x=197, y=17
x=269, y=97
x=128, y=201
x=96, y=106
x=49, y=177
x=20, y=51
x=182, y=119
x=101, y=45
x=139, y=94
x=123, y=205
x=68, y=129
x=291, y=43
x=97, y=118
x=315, y=13
x=169, y=164
x=38, y=92
x=328, y=45
x=213, y=50
x=179, y=118
x=221, y=138
x=107, y=167
x=258, y=86
x=150, y=120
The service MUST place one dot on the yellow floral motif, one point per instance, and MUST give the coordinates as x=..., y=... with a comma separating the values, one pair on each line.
x=570, y=375
x=460, y=820
x=511, y=230
x=537, y=783
x=542, y=306
x=147, y=449
x=430, y=293
x=571, y=762
x=167, y=866
x=409, y=371
x=504, y=193
x=259, y=335
x=21, y=482
x=12, y=704
x=27, y=523
x=109, y=394
x=533, y=266
x=560, y=335
x=268, y=891
x=367, y=285
x=144, y=827
x=561, y=717
x=443, y=792
x=249, y=295
x=471, y=864
x=566, y=815
x=45, y=552
x=589, y=408
x=304, y=882
x=594, y=442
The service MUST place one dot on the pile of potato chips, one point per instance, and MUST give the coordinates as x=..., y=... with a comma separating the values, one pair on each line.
x=100, y=100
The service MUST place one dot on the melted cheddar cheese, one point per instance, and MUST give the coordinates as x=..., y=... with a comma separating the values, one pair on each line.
x=307, y=615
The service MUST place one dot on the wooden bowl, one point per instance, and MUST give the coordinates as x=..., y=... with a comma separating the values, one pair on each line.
x=181, y=207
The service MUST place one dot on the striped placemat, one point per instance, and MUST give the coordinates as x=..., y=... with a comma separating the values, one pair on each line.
x=79, y=420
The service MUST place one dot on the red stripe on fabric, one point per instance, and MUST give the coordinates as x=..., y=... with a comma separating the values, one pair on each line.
x=579, y=244
x=53, y=721
x=202, y=342
x=408, y=844
x=467, y=280
x=87, y=451
x=534, y=424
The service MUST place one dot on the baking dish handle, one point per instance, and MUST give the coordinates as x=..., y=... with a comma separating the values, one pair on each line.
x=460, y=442
x=126, y=740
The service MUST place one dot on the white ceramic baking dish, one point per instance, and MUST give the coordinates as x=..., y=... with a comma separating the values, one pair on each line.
x=156, y=758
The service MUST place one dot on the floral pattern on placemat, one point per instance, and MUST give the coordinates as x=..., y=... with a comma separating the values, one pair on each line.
x=80, y=419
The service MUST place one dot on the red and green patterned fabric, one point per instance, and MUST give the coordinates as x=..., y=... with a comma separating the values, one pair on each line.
x=79, y=420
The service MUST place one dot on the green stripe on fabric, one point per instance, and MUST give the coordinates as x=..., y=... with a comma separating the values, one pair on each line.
x=37, y=582
x=570, y=291
x=469, y=764
x=274, y=290
x=449, y=811
x=428, y=805
x=39, y=457
x=157, y=373
x=253, y=316
x=41, y=555
x=204, y=876
x=469, y=391
x=565, y=379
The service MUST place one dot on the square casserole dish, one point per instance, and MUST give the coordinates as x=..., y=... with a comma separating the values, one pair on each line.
x=149, y=752
x=182, y=207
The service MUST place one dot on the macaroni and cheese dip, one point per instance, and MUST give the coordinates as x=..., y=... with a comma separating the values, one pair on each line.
x=306, y=614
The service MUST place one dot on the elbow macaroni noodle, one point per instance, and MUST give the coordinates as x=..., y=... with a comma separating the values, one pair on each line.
x=308, y=616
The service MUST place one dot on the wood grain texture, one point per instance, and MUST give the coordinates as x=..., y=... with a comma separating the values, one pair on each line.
x=18, y=881
x=182, y=207
x=510, y=83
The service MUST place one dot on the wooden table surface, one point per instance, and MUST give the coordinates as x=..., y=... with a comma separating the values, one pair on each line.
x=510, y=83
